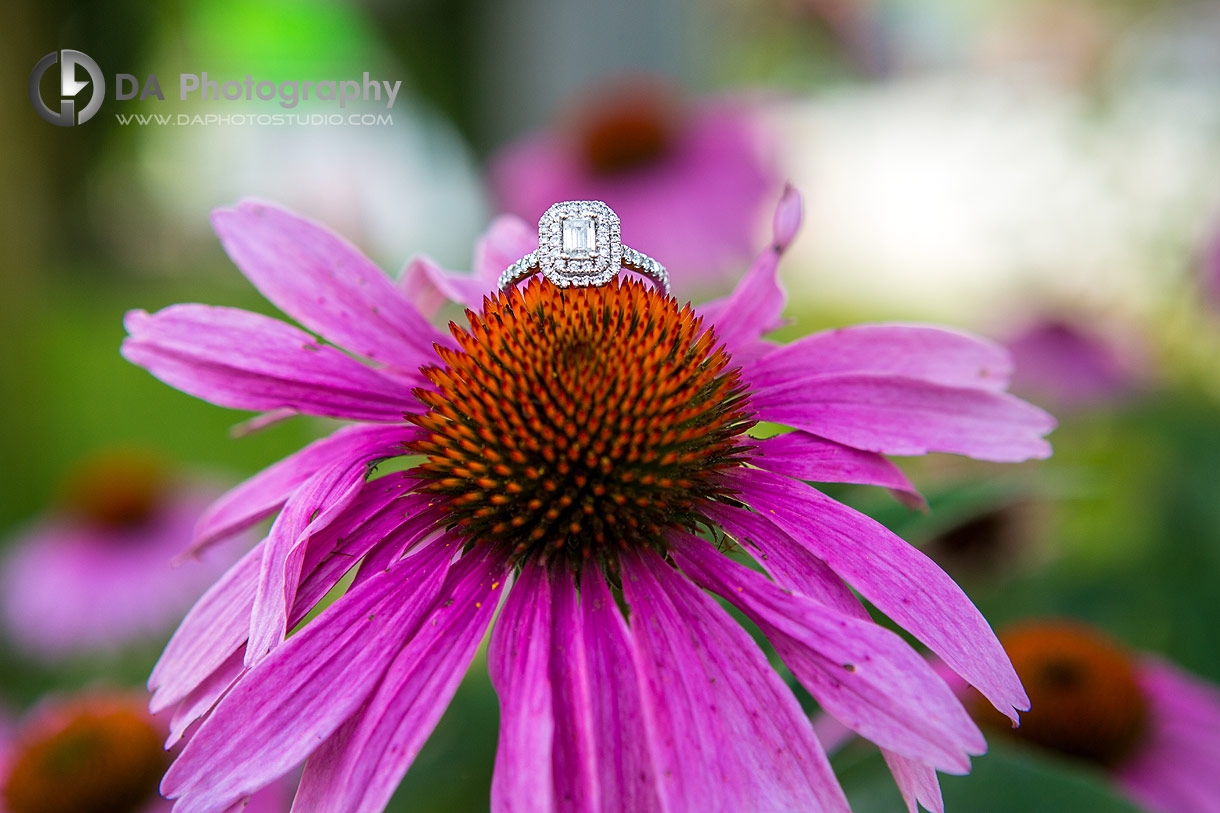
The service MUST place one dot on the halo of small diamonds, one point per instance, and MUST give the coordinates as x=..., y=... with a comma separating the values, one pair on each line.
x=580, y=245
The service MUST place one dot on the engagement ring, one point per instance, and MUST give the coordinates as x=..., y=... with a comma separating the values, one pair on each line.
x=579, y=245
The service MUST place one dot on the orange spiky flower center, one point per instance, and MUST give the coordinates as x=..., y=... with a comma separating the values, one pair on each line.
x=97, y=757
x=580, y=420
x=1085, y=700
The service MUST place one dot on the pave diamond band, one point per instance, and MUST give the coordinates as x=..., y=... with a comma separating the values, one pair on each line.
x=579, y=244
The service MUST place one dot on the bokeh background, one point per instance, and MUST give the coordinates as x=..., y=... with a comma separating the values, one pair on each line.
x=1043, y=172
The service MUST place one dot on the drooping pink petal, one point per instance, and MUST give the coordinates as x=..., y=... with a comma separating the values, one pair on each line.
x=790, y=564
x=203, y=697
x=899, y=580
x=219, y=624
x=1174, y=771
x=725, y=731
x=753, y=309
x=916, y=782
x=862, y=674
x=358, y=768
x=809, y=457
x=325, y=283
x=626, y=776
x=283, y=708
x=243, y=360
x=933, y=354
x=310, y=509
x=266, y=492
x=374, y=540
x=518, y=660
x=203, y=640
x=906, y=416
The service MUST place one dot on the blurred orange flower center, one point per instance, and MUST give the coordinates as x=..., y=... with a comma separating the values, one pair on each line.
x=1085, y=699
x=119, y=489
x=103, y=758
x=626, y=129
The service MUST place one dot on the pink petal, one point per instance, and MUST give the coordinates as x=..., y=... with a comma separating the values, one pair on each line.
x=932, y=354
x=899, y=580
x=358, y=768
x=219, y=623
x=203, y=697
x=726, y=733
x=430, y=287
x=809, y=457
x=614, y=715
x=518, y=660
x=754, y=307
x=862, y=674
x=325, y=283
x=916, y=782
x=263, y=494
x=311, y=508
x=508, y=239
x=790, y=564
x=282, y=709
x=394, y=527
x=789, y=214
x=577, y=756
x=905, y=416
x=243, y=360
x=202, y=642
x=1175, y=771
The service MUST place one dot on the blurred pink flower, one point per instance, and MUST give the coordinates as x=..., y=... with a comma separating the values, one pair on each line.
x=690, y=182
x=1154, y=729
x=95, y=573
x=1151, y=728
x=1211, y=270
x=572, y=442
x=1069, y=366
x=94, y=751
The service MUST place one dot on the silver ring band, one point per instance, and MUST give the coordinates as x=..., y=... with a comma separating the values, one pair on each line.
x=579, y=246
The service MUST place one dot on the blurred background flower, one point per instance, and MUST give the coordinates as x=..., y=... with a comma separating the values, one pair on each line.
x=95, y=750
x=1153, y=729
x=1046, y=173
x=102, y=571
x=689, y=178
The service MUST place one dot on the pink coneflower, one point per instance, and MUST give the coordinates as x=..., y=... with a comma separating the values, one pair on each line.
x=95, y=574
x=1154, y=729
x=578, y=448
x=690, y=181
x=1070, y=365
x=94, y=752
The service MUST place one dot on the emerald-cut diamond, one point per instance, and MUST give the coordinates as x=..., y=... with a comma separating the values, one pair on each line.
x=579, y=236
x=579, y=243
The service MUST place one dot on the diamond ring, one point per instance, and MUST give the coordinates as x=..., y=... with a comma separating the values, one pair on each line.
x=579, y=245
